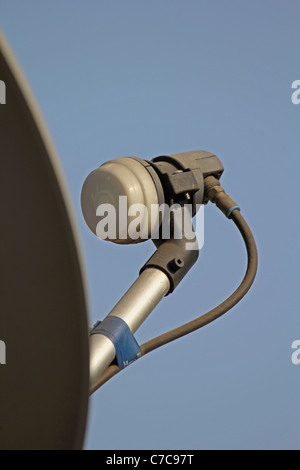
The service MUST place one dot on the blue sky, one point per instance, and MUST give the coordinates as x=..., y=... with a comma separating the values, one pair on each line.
x=149, y=78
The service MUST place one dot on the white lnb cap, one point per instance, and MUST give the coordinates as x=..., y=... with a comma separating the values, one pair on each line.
x=120, y=200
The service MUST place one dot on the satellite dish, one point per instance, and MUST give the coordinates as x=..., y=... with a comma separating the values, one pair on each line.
x=44, y=381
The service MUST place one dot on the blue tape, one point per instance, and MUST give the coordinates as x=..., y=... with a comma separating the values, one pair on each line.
x=117, y=330
x=228, y=214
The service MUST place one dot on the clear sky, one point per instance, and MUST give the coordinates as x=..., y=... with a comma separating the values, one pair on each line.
x=159, y=77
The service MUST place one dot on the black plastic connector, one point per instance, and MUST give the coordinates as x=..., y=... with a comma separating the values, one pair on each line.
x=174, y=256
x=182, y=175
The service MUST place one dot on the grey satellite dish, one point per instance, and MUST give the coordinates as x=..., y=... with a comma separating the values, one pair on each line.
x=44, y=381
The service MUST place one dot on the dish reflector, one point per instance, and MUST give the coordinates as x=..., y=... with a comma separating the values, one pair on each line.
x=43, y=314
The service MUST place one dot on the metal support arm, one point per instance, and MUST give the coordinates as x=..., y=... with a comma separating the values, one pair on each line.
x=133, y=308
x=158, y=277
